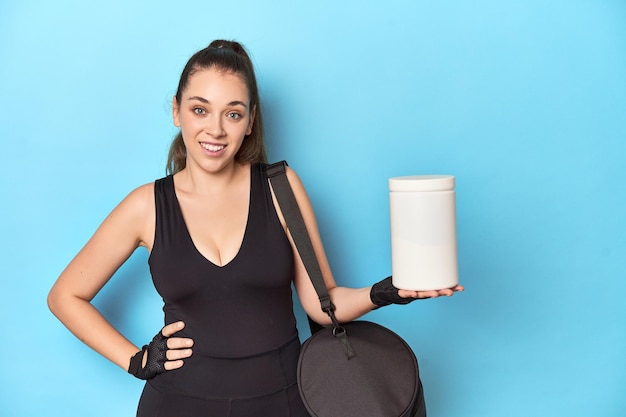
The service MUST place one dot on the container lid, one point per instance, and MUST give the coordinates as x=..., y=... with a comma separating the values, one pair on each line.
x=422, y=183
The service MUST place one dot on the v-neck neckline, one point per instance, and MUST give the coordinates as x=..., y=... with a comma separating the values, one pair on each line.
x=193, y=244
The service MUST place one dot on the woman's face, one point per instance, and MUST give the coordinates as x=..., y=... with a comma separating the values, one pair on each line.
x=214, y=116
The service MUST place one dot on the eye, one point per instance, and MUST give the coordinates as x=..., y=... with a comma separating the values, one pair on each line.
x=199, y=110
x=234, y=115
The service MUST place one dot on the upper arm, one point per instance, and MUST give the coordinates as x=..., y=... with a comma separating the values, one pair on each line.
x=129, y=225
x=306, y=292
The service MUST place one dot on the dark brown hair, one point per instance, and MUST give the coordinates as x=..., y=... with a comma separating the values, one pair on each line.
x=227, y=56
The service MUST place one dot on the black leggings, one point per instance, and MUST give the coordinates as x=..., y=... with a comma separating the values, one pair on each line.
x=263, y=385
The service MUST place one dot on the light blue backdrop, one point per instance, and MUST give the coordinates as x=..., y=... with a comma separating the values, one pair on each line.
x=525, y=102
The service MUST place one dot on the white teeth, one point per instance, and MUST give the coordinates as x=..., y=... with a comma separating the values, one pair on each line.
x=212, y=148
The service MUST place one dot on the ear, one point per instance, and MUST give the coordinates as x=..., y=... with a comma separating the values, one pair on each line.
x=175, y=112
x=251, y=122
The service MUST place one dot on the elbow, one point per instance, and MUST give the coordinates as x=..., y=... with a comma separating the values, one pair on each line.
x=64, y=303
x=319, y=317
x=53, y=301
x=58, y=300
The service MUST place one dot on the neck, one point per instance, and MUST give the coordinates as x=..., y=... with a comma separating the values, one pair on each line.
x=203, y=182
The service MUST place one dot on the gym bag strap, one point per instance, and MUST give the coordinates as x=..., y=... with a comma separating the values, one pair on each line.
x=352, y=369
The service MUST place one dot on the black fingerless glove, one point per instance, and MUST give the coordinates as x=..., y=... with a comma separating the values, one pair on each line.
x=384, y=293
x=155, y=362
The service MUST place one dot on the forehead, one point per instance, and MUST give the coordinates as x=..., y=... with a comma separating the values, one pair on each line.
x=214, y=84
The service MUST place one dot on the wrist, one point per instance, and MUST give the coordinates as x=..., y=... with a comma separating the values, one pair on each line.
x=137, y=362
x=384, y=293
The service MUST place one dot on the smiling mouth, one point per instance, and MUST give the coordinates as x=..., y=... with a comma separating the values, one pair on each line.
x=212, y=148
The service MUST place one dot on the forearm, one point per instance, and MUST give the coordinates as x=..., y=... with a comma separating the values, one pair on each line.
x=87, y=324
x=350, y=303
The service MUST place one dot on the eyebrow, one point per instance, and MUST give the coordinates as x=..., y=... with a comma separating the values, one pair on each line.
x=204, y=100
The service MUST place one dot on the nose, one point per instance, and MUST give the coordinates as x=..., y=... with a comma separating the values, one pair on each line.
x=214, y=126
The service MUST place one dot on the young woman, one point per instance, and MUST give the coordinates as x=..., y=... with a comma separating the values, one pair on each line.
x=220, y=256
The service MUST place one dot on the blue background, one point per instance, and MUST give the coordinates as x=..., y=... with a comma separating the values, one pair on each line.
x=523, y=101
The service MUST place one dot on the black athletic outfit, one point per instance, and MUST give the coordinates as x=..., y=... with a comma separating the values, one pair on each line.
x=239, y=315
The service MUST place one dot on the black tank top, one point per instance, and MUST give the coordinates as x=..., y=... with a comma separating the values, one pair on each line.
x=240, y=309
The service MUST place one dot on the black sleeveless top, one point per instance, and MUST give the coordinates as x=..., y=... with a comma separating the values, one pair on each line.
x=241, y=309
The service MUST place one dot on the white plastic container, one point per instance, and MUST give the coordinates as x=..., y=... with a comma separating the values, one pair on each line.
x=423, y=232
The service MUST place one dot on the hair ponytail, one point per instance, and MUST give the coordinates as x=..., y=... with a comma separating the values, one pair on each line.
x=177, y=156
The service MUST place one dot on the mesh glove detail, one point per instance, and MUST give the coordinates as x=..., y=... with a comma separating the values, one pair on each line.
x=384, y=293
x=155, y=362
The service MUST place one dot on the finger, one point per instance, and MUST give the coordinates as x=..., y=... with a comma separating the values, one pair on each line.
x=170, y=365
x=179, y=343
x=170, y=329
x=412, y=294
x=407, y=293
x=173, y=355
x=427, y=294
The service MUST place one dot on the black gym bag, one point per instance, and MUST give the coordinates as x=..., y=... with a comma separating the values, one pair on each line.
x=355, y=369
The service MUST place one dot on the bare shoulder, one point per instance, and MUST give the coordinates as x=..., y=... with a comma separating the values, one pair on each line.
x=136, y=214
x=138, y=202
x=298, y=190
x=295, y=181
x=301, y=195
x=141, y=197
